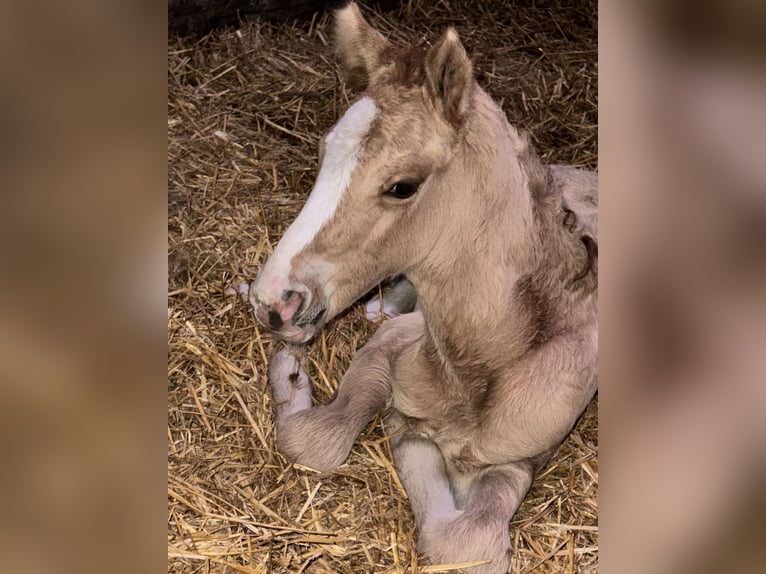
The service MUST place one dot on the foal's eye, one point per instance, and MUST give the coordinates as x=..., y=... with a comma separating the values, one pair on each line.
x=402, y=189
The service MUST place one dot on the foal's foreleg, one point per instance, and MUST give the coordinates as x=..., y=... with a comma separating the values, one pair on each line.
x=420, y=468
x=321, y=437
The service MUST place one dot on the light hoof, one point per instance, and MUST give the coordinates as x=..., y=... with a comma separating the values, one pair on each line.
x=399, y=297
x=290, y=385
x=374, y=313
x=241, y=289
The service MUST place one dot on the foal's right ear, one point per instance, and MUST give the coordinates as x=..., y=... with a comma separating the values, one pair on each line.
x=360, y=46
x=450, y=76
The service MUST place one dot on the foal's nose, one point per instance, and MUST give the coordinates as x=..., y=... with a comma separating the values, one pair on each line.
x=285, y=311
x=290, y=310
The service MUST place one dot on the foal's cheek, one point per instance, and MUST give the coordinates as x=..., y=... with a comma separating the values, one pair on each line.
x=342, y=293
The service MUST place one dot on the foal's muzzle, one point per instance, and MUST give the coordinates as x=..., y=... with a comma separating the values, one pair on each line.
x=295, y=316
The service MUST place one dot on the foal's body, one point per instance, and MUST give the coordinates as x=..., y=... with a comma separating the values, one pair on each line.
x=483, y=382
x=478, y=396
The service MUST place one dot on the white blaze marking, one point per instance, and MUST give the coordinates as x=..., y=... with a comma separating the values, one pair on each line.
x=342, y=147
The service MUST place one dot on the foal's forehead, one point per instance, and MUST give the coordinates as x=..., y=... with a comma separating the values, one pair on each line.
x=347, y=135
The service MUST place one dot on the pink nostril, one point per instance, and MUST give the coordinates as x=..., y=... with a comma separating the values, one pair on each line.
x=282, y=312
x=292, y=302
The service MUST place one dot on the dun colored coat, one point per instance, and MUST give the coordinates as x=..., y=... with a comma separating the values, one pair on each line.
x=423, y=176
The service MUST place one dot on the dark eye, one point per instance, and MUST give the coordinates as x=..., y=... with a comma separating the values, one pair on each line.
x=402, y=189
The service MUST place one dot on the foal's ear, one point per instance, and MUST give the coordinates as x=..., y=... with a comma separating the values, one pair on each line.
x=450, y=76
x=359, y=45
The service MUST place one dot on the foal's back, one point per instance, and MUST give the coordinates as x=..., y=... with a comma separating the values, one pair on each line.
x=580, y=190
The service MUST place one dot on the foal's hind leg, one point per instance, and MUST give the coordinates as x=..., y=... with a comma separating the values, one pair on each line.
x=398, y=298
x=447, y=534
x=480, y=530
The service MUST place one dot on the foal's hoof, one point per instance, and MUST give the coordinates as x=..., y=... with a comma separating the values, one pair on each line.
x=241, y=289
x=374, y=312
x=399, y=298
x=290, y=386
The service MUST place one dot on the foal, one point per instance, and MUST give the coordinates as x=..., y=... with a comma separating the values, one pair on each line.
x=423, y=176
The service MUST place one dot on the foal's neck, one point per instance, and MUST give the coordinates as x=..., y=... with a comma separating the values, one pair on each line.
x=466, y=285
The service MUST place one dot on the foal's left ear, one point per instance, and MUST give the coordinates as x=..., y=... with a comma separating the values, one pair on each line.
x=361, y=48
x=450, y=76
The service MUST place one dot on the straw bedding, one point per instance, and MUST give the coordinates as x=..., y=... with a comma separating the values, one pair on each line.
x=246, y=107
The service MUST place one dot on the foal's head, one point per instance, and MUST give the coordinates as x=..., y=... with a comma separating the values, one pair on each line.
x=367, y=217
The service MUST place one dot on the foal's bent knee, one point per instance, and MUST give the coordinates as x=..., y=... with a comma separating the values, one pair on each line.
x=321, y=437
